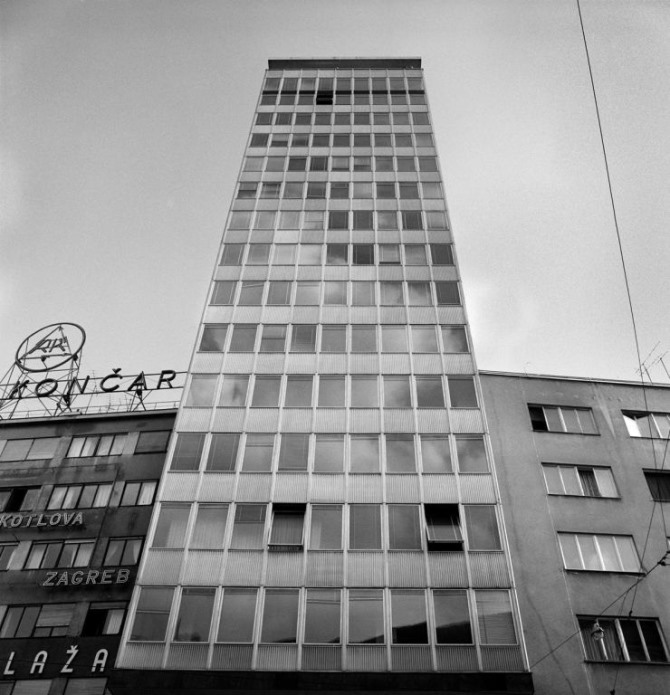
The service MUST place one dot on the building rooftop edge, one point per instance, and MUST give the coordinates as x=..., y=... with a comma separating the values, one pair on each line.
x=121, y=414
x=555, y=377
x=343, y=63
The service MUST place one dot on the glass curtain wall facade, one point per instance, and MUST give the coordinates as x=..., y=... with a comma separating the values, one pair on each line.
x=330, y=504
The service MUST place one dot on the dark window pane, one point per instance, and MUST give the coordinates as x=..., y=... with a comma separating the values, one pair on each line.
x=322, y=616
x=213, y=338
x=237, y=615
x=482, y=526
x=452, y=617
x=223, y=452
x=195, y=615
x=366, y=616
x=249, y=526
x=408, y=611
x=293, y=452
x=365, y=527
x=280, y=616
x=326, y=530
x=462, y=392
x=187, y=453
x=404, y=527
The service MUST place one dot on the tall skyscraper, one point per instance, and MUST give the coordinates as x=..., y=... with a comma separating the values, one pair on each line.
x=330, y=503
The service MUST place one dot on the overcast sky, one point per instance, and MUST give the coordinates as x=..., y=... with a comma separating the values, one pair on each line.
x=124, y=122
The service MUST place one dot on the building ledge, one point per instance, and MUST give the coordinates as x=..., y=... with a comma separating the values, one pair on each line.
x=344, y=63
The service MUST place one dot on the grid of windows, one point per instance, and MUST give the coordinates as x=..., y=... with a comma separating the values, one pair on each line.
x=326, y=616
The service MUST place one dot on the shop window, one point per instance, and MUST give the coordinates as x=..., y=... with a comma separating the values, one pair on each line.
x=195, y=615
x=237, y=615
x=326, y=527
x=104, y=619
x=452, y=617
x=122, y=551
x=365, y=531
x=598, y=552
x=187, y=452
x=624, y=639
x=583, y=481
x=151, y=616
x=545, y=418
x=60, y=554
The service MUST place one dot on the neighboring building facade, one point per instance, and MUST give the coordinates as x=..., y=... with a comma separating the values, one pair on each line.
x=76, y=494
x=585, y=487
x=329, y=508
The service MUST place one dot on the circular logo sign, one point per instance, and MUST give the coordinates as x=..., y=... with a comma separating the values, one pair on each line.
x=50, y=347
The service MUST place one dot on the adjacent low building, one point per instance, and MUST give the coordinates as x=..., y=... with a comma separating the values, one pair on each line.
x=585, y=488
x=76, y=495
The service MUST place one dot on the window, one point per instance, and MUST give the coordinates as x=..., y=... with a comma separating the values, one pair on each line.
x=494, y=615
x=251, y=293
x=319, y=164
x=213, y=338
x=408, y=617
x=602, y=553
x=452, y=617
x=244, y=338
x=322, y=616
x=279, y=292
x=288, y=521
x=387, y=220
x=364, y=453
x=363, y=219
x=424, y=339
x=545, y=418
x=298, y=391
x=223, y=452
x=273, y=338
x=584, y=481
x=195, y=615
x=152, y=442
x=454, y=338
x=307, y=293
x=441, y=254
x=364, y=339
x=429, y=392
x=364, y=392
x=394, y=339
x=303, y=338
x=285, y=254
x=337, y=254
x=326, y=527
x=363, y=254
x=50, y=620
x=435, y=453
x=624, y=639
x=122, y=551
x=242, y=219
x=462, y=393
x=447, y=293
x=269, y=190
x=482, y=525
x=404, y=527
x=28, y=449
x=234, y=390
x=237, y=615
x=316, y=189
x=6, y=553
x=332, y=392
x=443, y=527
x=18, y=499
x=151, y=616
x=79, y=496
x=138, y=494
x=247, y=190
x=339, y=163
x=187, y=452
x=59, y=554
x=335, y=293
x=362, y=293
x=104, y=619
x=210, y=526
x=641, y=424
x=280, y=616
x=471, y=454
x=659, y=485
x=201, y=391
x=266, y=392
x=419, y=293
x=338, y=219
x=385, y=190
x=259, y=254
x=411, y=220
x=249, y=526
x=366, y=616
x=389, y=254
x=293, y=452
x=365, y=531
x=397, y=391
x=258, y=453
x=339, y=190
x=171, y=527
x=415, y=254
x=293, y=189
x=400, y=456
x=409, y=191
x=223, y=293
x=103, y=445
